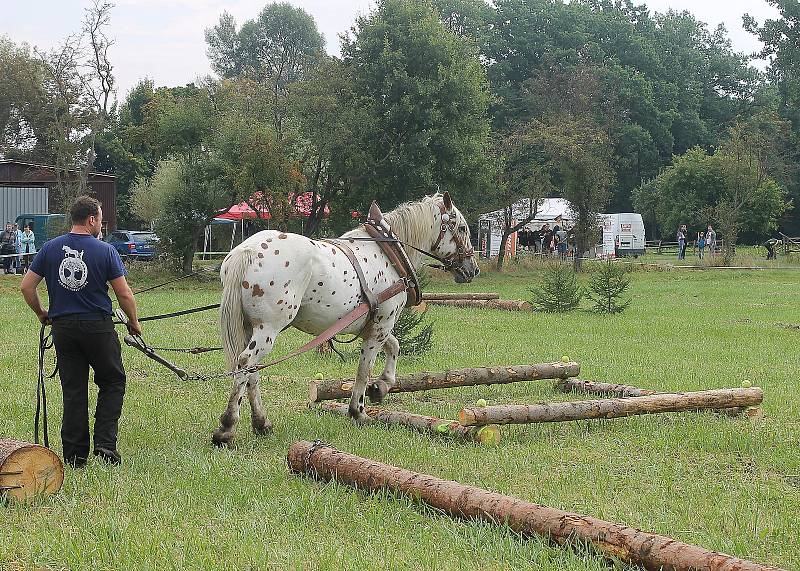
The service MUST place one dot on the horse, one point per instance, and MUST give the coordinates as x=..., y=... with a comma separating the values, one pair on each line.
x=275, y=280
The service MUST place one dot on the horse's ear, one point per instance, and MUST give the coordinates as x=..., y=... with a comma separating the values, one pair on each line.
x=448, y=202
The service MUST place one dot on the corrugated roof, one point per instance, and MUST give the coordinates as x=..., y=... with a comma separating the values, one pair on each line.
x=48, y=167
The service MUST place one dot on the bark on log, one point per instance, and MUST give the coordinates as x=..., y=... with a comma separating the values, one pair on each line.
x=528, y=519
x=598, y=388
x=452, y=296
x=622, y=391
x=610, y=408
x=28, y=470
x=489, y=434
x=423, y=381
x=505, y=304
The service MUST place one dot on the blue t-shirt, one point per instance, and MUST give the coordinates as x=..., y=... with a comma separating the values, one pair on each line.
x=77, y=269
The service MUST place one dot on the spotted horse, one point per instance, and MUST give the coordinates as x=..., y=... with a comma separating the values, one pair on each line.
x=275, y=280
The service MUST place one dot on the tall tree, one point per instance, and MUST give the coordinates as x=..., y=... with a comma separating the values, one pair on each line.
x=426, y=95
x=278, y=48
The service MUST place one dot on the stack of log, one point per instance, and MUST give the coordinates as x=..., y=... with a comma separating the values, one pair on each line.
x=476, y=300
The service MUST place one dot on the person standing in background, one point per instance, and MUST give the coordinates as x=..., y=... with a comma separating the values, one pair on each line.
x=711, y=240
x=27, y=248
x=681, y=237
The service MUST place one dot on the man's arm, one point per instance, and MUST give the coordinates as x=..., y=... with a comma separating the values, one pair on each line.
x=31, y=295
x=127, y=302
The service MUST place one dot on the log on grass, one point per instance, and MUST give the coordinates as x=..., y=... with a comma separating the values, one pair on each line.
x=28, y=470
x=423, y=381
x=598, y=388
x=610, y=408
x=451, y=296
x=528, y=519
x=505, y=304
x=427, y=424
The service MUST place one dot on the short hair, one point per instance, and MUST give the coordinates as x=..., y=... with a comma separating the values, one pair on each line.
x=83, y=207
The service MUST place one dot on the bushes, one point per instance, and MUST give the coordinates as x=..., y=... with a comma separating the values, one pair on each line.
x=560, y=292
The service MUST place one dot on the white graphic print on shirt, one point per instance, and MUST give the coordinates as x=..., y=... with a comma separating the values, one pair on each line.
x=72, y=273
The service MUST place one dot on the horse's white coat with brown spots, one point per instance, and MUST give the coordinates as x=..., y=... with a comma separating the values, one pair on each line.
x=274, y=280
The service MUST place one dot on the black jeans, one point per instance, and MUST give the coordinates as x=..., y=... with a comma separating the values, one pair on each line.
x=81, y=343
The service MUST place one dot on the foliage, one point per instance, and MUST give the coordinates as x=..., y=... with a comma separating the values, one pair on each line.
x=559, y=291
x=425, y=98
x=413, y=333
x=607, y=286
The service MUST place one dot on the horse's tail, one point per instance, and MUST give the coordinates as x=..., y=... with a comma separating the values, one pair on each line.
x=232, y=325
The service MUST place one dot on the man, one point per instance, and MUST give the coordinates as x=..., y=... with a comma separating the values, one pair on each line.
x=711, y=240
x=681, y=237
x=77, y=267
x=8, y=240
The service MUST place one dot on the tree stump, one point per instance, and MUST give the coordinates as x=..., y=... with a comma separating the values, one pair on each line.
x=28, y=470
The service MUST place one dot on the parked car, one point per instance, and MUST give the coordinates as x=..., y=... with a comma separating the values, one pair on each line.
x=134, y=243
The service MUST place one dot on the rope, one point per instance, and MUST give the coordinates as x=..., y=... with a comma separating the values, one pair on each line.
x=45, y=343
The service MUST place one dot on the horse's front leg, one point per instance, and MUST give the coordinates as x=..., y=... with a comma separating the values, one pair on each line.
x=378, y=390
x=369, y=351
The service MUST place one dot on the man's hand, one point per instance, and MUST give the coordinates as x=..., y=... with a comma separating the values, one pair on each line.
x=134, y=327
x=44, y=319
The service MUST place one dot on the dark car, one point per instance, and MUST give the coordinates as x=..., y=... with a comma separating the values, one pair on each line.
x=134, y=243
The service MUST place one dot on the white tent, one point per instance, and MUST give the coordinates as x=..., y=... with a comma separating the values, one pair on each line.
x=550, y=211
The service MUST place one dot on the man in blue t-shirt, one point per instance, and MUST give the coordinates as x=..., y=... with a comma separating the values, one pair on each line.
x=77, y=268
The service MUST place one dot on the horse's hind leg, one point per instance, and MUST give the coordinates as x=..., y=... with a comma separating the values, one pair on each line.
x=380, y=388
x=259, y=346
x=369, y=350
x=258, y=419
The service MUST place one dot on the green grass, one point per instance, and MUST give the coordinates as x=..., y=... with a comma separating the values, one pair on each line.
x=177, y=503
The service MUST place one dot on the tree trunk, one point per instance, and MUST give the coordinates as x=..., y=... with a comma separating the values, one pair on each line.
x=593, y=387
x=506, y=304
x=444, y=296
x=423, y=381
x=501, y=254
x=610, y=408
x=426, y=424
x=28, y=470
x=622, y=391
x=611, y=540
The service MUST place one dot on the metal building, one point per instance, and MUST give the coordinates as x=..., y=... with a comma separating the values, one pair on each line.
x=29, y=188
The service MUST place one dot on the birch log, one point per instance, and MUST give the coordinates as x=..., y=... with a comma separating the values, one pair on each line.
x=528, y=519
x=505, y=304
x=489, y=434
x=450, y=296
x=423, y=381
x=610, y=408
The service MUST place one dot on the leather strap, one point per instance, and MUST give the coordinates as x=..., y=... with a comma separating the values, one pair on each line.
x=389, y=244
x=368, y=295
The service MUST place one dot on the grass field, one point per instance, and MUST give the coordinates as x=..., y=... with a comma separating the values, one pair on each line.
x=177, y=503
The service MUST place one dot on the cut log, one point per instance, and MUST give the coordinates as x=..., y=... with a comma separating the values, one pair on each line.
x=426, y=424
x=28, y=470
x=451, y=296
x=424, y=381
x=528, y=519
x=598, y=388
x=610, y=408
x=505, y=304
x=624, y=391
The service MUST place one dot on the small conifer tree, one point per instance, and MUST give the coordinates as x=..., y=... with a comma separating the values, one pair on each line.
x=559, y=291
x=606, y=288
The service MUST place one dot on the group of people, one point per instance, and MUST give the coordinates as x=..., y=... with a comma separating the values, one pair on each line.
x=545, y=240
x=707, y=238
x=17, y=248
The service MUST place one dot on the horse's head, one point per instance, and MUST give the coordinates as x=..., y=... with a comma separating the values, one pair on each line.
x=453, y=245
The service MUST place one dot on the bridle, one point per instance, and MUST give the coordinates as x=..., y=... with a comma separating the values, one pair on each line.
x=453, y=260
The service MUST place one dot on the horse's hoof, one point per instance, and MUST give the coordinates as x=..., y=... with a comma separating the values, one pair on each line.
x=377, y=391
x=262, y=428
x=360, y=418
x=221, y=437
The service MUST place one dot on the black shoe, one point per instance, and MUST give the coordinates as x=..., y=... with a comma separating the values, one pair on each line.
x=75, y=461
x=110, y=456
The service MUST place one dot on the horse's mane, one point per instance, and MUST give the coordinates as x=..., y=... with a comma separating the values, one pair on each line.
x=412, y=222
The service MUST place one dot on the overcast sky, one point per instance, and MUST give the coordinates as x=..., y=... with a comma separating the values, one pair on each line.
x=164, y=39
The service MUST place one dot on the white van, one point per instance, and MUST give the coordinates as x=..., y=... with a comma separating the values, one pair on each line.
x=625, y=229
